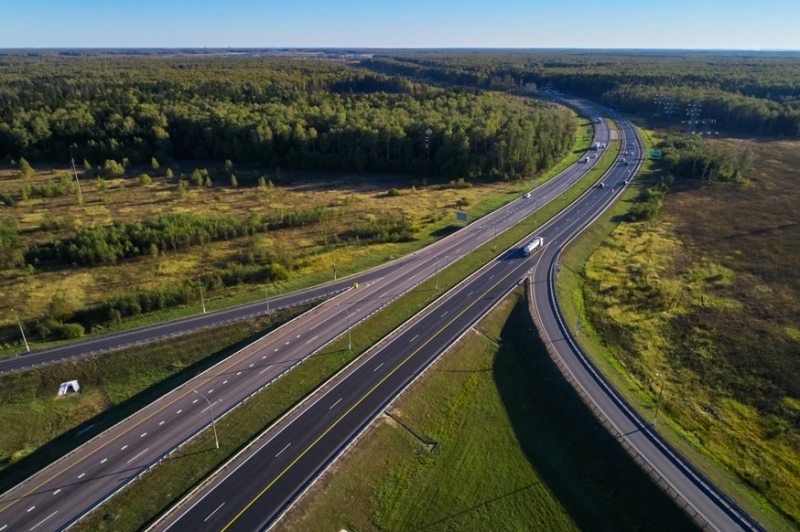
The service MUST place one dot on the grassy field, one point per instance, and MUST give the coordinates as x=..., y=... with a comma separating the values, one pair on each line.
x=114, y=385
x=350, y=200
x=706, y=300
x=515, y=450
x=144, y=500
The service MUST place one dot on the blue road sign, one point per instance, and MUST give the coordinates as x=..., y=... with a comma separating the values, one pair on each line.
x=461, y=216
x=533, y=184
x=578, y=324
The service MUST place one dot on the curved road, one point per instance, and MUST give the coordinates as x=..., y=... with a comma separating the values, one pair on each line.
x=256, y=489
x=62, y=493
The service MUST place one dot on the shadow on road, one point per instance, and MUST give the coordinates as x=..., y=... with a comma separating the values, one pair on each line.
x=595, y=480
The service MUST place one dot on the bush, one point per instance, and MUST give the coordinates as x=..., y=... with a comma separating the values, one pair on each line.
x=145, y=180
x=393, y=192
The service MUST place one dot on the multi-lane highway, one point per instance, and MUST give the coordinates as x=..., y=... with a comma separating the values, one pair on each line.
x=62, y=493
x=260, y=485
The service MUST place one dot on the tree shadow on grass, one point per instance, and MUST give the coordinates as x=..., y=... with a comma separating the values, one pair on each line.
x=74, y=438
x=594, y=479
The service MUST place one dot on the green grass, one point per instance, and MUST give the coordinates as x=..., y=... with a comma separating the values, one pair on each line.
x=630, y=284
x=154, y=492
x=114, y=386
x=516, y=449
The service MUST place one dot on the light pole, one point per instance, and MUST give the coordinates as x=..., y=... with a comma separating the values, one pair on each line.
x=211, y=411
x=495, y=237
x=349, y=339
x=334, y=272
x=202, y=298
x=27, y=347
x=437, y=273
x=266, y=296
x=658, y=403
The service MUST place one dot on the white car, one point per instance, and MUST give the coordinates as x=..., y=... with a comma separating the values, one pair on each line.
x=527, y=195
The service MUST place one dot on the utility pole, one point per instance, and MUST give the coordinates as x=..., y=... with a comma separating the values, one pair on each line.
x=437, y=272
x=202, y=298
x=334, y=272
x=658, y=403
x=27, y=347
x=495, y=237
x=211, y=411
x=266, y=296
x=349, y=339
x=75, y=171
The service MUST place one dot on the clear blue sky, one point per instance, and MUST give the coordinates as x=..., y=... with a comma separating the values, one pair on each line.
x=736, y=24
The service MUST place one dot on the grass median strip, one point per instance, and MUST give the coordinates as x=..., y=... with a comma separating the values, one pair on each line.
x=491, y=438
x=143, y=500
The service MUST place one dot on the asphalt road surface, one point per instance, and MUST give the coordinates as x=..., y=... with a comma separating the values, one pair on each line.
x=255, y=490
x=62, y=493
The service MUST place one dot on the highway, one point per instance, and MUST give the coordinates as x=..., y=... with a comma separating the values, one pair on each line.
x=61, y=494
x=255, y=490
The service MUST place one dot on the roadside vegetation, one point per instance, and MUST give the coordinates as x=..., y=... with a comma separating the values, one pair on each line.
x=702, y=298
x=114, y=386
x=492, y=438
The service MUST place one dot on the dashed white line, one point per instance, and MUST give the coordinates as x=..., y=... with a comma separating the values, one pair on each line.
x=276, y=350
x=379, y=367
x=54, y=493
x=492, y=277
x=287, y=446
x=224, y=382
x=251, y=365
x=40, y=522
x=336, y=403
x=212, y=513
x=124, y=447
x=193, y=402
x=469, y=294
x=31, y=508
x=287, y=343
x=138, y=455
x=211, y=390
x=160, y=423
x=298, y=336
x=179, y=411
x=309, y=341
x=104, y=460
x=263, y=370
x=417, y=336
x=238, y=373
x=5, y=526
x=82, y=475
x=445, y=313
x=143, y=435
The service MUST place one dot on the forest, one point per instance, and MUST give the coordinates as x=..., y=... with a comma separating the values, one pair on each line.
x=749, y=93
x=308, y=115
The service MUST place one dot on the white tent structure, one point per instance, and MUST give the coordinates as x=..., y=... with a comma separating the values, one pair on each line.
x=69, y=387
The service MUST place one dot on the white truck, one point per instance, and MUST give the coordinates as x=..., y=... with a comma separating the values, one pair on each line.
x=534, y=244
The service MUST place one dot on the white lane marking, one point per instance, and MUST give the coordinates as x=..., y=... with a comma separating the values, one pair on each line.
x=212, y=513
x=379, y=367
x=193, y=402
x=224, y=382
x=124, y=447
x=309, y=341
x=251, y=365
x=469, y=294
x=445, y=313
x=40, y=522
x=275, y=351
x=287, y=343
x=104, y=460
x=160, y=423
x=287, y=446
x=179, y=411
x=54, y=493
x=138, y=455
x=334, y=404
x=143, y=435
x=262, y=358
x=6, y=526
x=263, y=370
x=82, y=475
x=206, y=408
x=492, y=277
x=238, y=373
x=298, y=336
x=384, y=294
x=211, y=390
x=417, y=336
x=31, y=508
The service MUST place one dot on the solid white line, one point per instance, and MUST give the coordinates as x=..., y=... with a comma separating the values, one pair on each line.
x=181, y=410
x=124, y=447
x=40, y=522
x=334, y=404
x=160, y=423
x=82, y=475
x=379, y=367
x=54, y=493
x=138, y=455
x=212, y=513
x=287, y=446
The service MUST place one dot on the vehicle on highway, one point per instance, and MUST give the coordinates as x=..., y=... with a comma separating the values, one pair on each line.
x=601, y=185
x=585, y=160
x=532, y=245
x=527, y=195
